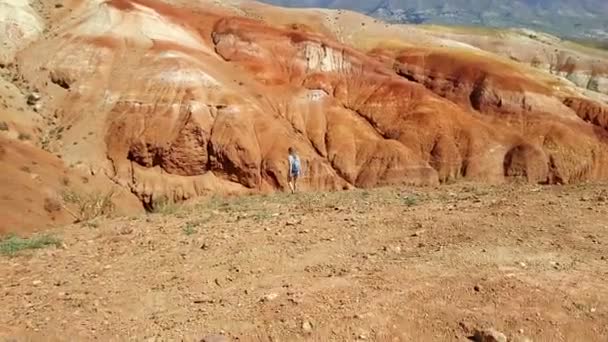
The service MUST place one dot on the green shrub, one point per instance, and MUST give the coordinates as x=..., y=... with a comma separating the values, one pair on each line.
x=13, y=244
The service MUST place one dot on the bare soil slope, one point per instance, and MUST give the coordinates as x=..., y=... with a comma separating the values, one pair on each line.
x=394, y=264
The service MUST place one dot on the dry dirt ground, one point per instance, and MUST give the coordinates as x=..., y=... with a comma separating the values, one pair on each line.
x=396, y=264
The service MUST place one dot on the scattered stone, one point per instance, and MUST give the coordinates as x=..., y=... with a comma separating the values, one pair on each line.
x=489, y=335
x=214, y=338
x=37, y=282
x=477, y=288
x=523, y=264
x=592, y=310
x=307, y=327
x=126, y=230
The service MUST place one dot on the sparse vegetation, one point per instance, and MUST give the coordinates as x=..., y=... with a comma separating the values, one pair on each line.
x=3, y=126
x=189, y=230
x=163, y=205
x=89, y=206
x=13, y=244
x=262, y=215
x=410, y=201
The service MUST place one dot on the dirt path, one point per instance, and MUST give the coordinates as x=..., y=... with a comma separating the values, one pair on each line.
x=407, y=264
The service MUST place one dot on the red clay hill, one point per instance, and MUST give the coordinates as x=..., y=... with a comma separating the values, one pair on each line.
x=168, y=99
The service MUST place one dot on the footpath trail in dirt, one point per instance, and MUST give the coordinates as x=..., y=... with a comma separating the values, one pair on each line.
x=395, y=264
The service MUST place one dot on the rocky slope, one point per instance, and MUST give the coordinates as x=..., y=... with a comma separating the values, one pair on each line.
x=172, y=100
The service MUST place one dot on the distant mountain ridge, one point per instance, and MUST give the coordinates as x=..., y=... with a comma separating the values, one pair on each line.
x=582, y=19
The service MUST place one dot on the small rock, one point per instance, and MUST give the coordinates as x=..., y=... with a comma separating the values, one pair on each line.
x=37, y=282
x=293, y=222
x=307, y=327
x=489, y=335
x=33, y=98
x=214, y=338
x=270, y=297
x=592, y=310
x=523, y=264
x=418, y=233
x=477, y=288
x=126, y=230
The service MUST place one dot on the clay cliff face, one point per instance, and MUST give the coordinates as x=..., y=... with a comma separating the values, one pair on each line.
x=171, y=99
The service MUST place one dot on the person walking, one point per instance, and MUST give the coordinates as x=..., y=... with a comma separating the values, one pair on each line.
x=295, y=169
